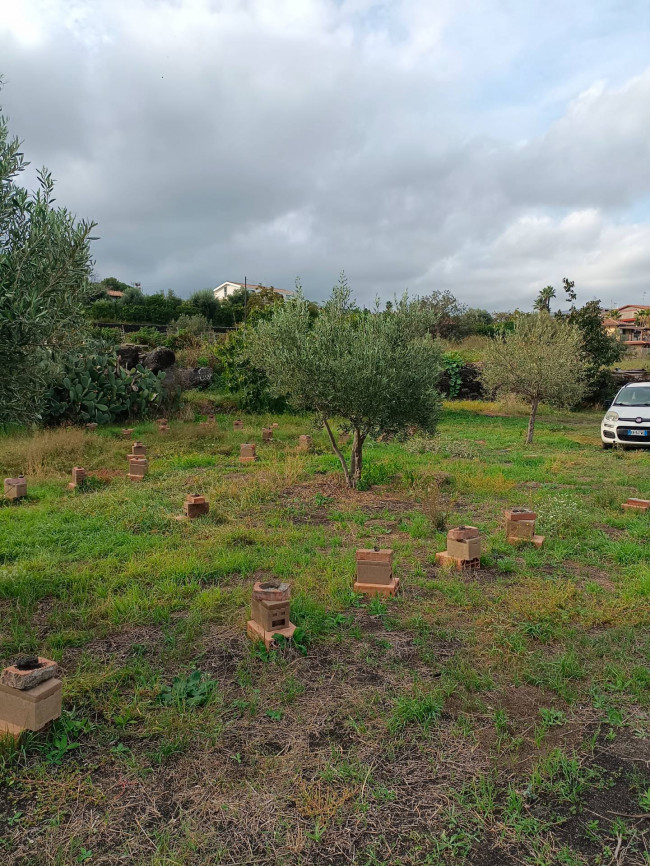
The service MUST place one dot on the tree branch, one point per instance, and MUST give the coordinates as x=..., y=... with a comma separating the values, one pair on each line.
x=337, y=450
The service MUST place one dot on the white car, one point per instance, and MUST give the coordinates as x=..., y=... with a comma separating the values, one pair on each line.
x=627, y=421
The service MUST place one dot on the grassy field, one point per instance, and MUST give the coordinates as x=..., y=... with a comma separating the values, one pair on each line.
x=493, y=717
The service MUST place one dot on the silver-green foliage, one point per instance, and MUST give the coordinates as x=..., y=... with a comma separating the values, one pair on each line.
x=94, y=387
x=378, y=371
x=45, y=263
x=541, y=360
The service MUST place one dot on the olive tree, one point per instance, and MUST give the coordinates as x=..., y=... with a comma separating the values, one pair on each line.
x=45, y=265
x=541, y=360
x=376, y=371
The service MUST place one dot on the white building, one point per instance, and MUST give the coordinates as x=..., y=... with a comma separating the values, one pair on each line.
x=227, y=289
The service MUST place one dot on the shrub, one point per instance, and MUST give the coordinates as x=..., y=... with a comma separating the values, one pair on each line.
x=94, y=387
x=146, y=336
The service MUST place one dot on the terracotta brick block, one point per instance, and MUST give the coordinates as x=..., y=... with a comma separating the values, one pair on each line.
x=238, y=424
x=247, y=453
x=139, y=449
x=127, y=432
x=267, y=434
x=634, y=504
x=29, y=709
x=538, y=540
x=444, y=559
x=16, y=488
x=469, y=548
x=138, y=468
x=92, y=426
x=195, y=505
x=305, y=443
x=463, y=533
x=28, y=672
x=521, y=529
x=270, y=614
x=519, y=514
x=78, y=477
x=372, y=589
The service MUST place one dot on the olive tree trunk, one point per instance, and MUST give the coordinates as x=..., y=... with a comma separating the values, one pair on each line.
x=356, y=460
x=531, y=421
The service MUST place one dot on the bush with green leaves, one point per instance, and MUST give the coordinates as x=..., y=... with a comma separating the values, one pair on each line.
x=93, y=387
x=45, y=264
x=242, y=378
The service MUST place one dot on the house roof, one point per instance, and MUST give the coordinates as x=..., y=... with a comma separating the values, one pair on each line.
x=255, y=287
x=114, y=293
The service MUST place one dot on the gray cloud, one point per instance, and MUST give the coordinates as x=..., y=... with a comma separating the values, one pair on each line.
x=213, y=140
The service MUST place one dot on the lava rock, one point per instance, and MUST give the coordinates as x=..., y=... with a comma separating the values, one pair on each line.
x=158, y=359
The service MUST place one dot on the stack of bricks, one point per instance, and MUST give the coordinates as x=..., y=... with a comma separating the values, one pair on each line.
x=305, y=443
x=138, y=467
x=78, y=477
x=375, y=572
x=238, y=424
x=633, y=504
x=195, y=505
x=127, y=432
x=520, y=526
x=270, y=612
x=267, y=434
x=30, y=695
x=91, y=427
x=138, y=449
x=247, y=453
x=463, y=548
x=16, y=488
x=163, y=425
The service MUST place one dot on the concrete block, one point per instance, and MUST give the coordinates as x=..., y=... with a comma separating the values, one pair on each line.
x=139, y=449
x=195, y=505
x=247, y=453
x=127, y=432
x=238, y=424
x=523, y=529
x=468, y=549
x=374, y=572
x=16, y=488
x=29, y=709
x=267, y=434
x=138, y=468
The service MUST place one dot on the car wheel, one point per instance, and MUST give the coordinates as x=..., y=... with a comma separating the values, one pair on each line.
x=607, y=446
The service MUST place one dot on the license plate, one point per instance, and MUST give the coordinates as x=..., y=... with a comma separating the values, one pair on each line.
x=637, y=432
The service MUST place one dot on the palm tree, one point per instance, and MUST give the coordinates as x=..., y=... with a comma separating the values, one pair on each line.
x=543, y=300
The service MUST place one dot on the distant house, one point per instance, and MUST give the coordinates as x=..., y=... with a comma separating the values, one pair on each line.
x=227, y=289
x=631, y=324
x=114, y=293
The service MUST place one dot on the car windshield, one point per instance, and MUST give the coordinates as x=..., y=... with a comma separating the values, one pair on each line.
x=633, y=396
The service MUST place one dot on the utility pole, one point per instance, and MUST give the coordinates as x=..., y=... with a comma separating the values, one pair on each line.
x=245, y=299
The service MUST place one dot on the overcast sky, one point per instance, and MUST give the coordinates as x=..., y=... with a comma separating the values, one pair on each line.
x=489, y=147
